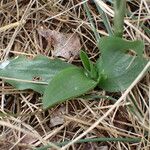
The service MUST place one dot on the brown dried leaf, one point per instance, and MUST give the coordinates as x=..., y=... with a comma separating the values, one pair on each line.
x=65, y=45
x=57, y=117
x=28, y=139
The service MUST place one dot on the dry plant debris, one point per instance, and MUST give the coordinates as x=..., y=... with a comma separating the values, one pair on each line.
x=65, y=45
x=21, y=114
x=57, y=116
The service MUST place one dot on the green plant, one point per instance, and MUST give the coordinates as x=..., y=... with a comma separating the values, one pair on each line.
x=129, y=140
x=58, y=81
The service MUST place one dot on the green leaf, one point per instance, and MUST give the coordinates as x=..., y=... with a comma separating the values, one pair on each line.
x=85, y=61
x=117, y=68
x=89, y=66
x=69, y=83
x=31, y=74
x=90, y=18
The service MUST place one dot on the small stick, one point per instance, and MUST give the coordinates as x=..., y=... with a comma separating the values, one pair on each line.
x=12, y=25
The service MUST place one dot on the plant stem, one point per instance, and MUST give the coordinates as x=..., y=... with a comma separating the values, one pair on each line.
x=119, y=8
x=128, y=140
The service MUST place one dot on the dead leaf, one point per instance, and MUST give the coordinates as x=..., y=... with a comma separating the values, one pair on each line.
x=57, y=117
x=27, y=139
x=66, y=45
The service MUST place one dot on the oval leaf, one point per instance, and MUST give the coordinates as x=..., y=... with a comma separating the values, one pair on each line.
x=69, y=83
x=85, y=61
x=88, y=66
x=32, y=74
x=117, y=69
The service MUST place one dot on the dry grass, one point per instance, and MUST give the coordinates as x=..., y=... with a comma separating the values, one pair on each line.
x=23, y=123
